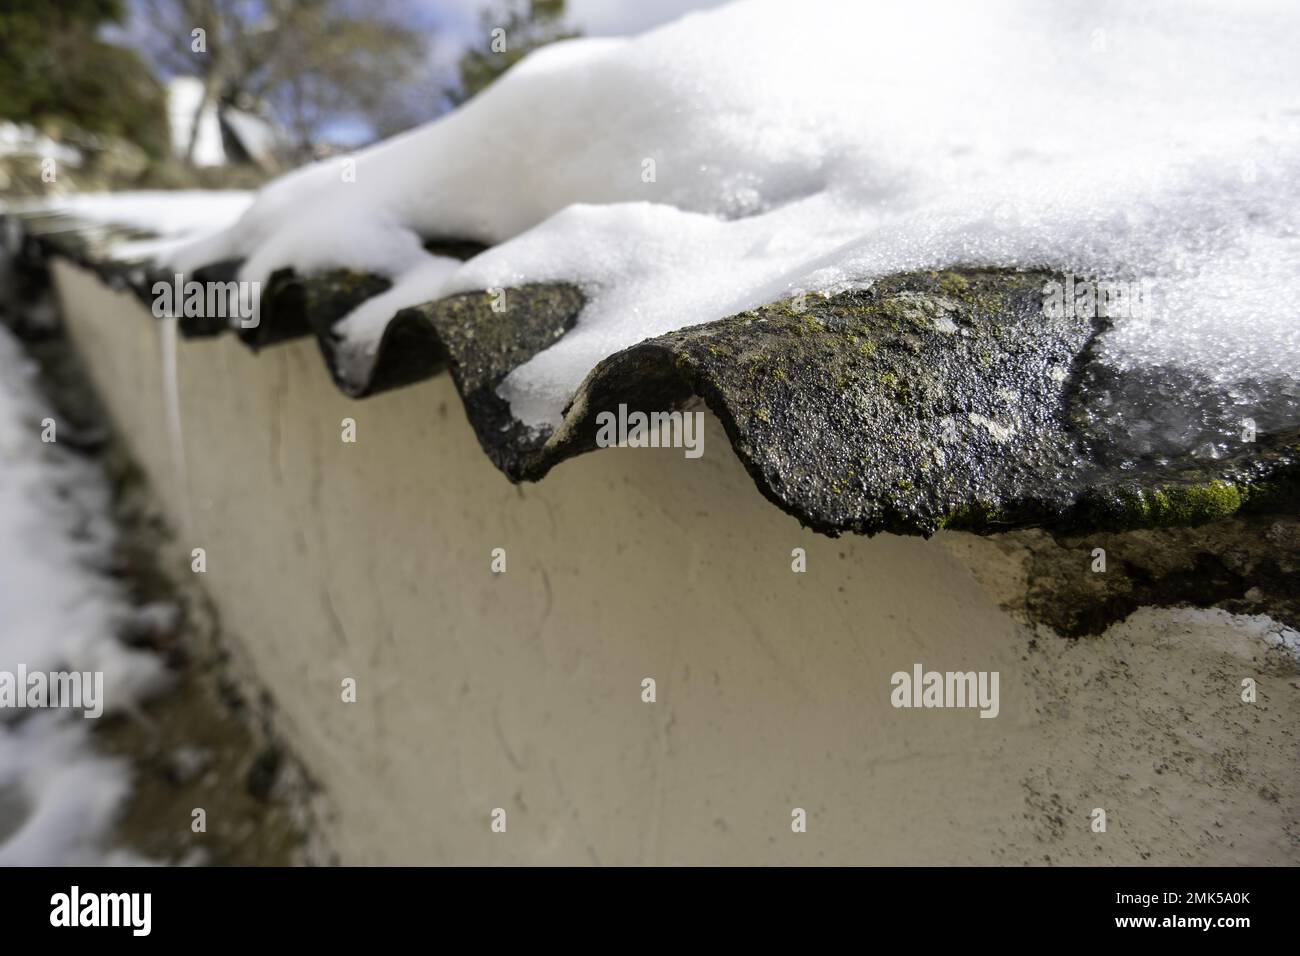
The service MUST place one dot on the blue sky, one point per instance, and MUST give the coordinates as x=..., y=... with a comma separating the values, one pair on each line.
x=457, y=23
x=452, y=25
x=595, y=17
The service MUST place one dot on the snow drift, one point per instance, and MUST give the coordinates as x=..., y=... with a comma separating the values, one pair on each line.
x=744, y=154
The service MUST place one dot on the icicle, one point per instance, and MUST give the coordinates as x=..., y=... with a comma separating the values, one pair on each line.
x=172, y=403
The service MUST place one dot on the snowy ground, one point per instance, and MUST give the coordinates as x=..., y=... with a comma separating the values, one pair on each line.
x=58, y=611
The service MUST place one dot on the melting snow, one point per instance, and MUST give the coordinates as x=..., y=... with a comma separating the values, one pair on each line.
x=742, y=154
x=1260, y=626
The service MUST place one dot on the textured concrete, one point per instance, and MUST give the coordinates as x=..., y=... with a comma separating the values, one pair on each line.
x=523, y=690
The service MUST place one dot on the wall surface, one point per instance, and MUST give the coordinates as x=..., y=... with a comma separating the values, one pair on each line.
x=522, y=690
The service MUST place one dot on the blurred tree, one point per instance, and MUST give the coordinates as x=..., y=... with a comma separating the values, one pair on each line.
x=54, y=69
x=525, y=25
x=310, y=62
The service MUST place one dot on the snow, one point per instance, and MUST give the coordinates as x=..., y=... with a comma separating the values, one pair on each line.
x=1263, y=628
x=174, y=218
x=58, y=611
x=183, y=212
x=184, y=93
x=23, y=140
x=617, y=17
x=821, y=145
x=67, y=795
x=256, y=135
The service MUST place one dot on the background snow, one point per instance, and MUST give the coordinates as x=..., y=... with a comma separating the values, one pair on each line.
x=23, y=140
x=58, y=611
x=173, y=218
x=821, y=145
x=161, y=212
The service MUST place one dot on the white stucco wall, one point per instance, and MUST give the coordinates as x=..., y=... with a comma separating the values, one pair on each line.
x=523, y=690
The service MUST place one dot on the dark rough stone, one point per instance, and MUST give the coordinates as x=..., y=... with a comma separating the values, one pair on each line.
x=1246, y=564
x=202, y=326
x=264, y=771
x=462, y=249
x=482, y=347
x=930, y=400
x=293, y=306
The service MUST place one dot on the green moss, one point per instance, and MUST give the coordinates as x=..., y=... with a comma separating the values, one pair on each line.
x=1167, y=506
x=1195, y=504
x=975, y=516
x=902, y=312
x=900, y=390
x=1131, y=508
x=952, y=283
x=844, y=483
